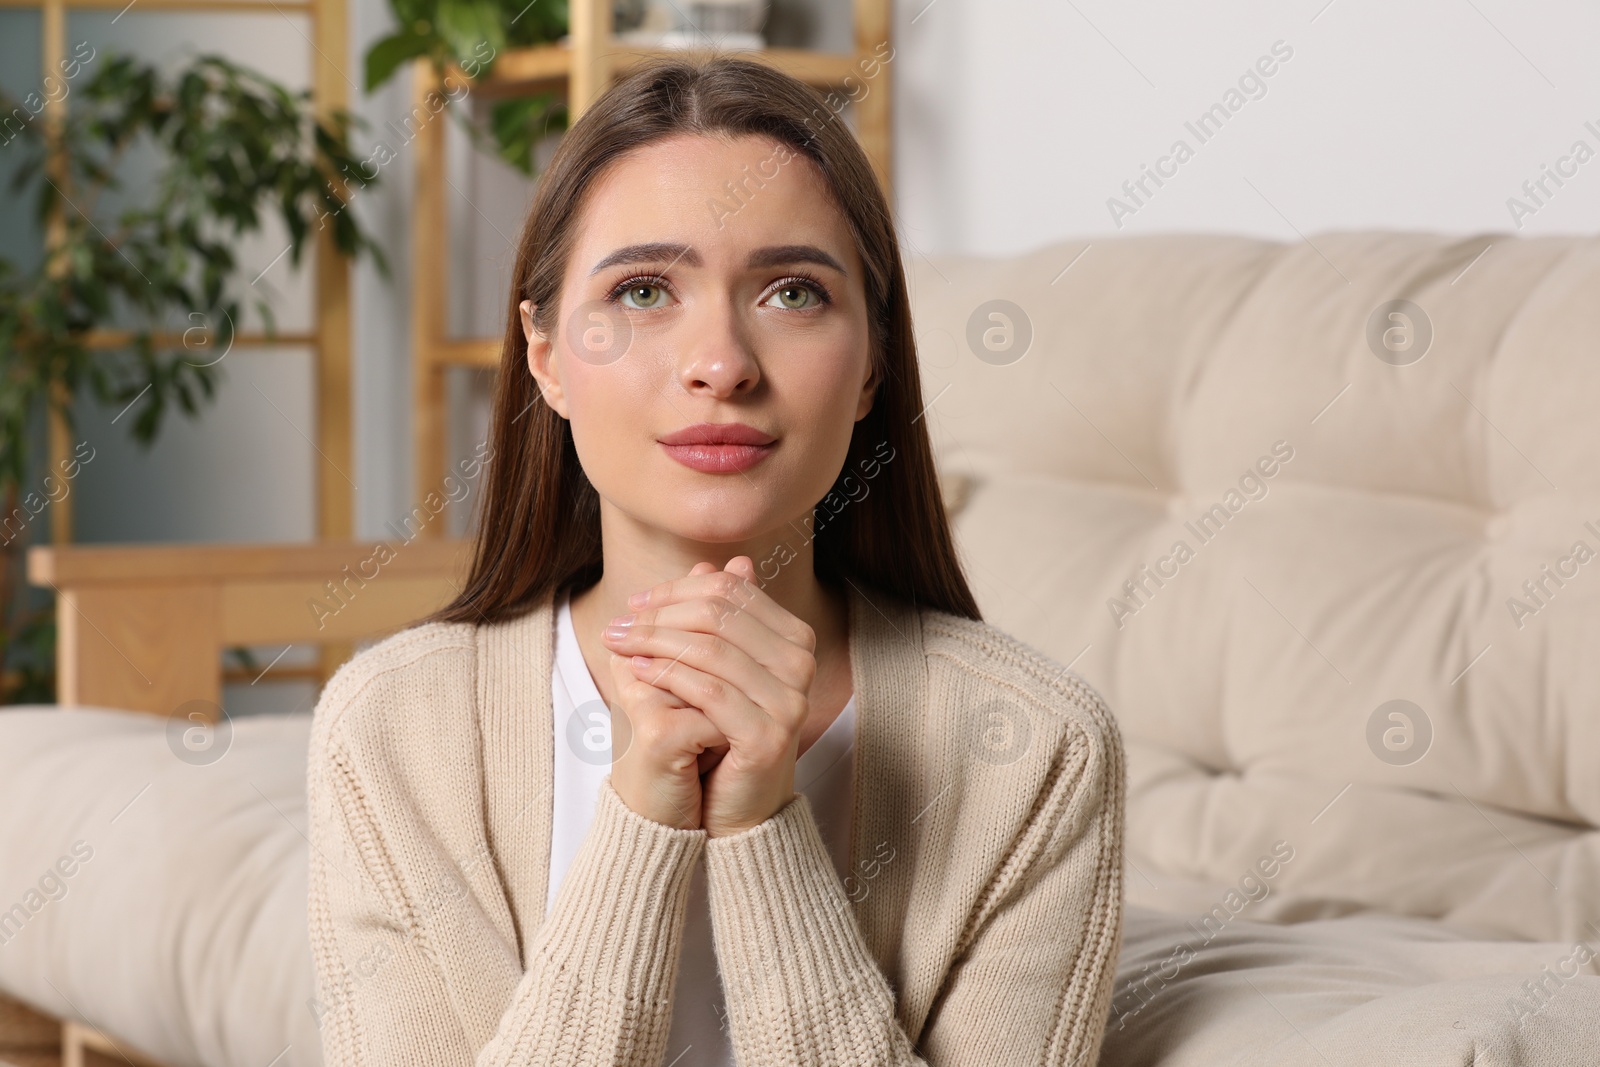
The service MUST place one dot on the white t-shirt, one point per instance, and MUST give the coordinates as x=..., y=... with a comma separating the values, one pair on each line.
x=583, y=758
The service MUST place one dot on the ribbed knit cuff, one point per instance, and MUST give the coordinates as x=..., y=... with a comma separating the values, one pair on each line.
x=619, y=914
x=794, y=966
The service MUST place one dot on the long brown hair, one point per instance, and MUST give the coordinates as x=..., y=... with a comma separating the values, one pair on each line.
x=882, y=525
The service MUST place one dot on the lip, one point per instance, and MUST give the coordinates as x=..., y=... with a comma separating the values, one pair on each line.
x=718, y=458
x=718, y=447
x=717, y=433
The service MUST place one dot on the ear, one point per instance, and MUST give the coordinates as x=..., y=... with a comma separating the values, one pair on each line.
x=869, y=390
x=540, y=351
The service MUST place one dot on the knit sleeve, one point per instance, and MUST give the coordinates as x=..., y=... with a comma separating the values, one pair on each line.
x=408, y=972
x=1032, y=977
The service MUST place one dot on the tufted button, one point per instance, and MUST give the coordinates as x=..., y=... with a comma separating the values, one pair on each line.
x=1498, y=528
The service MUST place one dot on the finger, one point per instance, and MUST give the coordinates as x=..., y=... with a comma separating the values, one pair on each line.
x=703, y=567
x=745, y=568
x=682, y=727
x=792, y=662
x=709, y=759
x=742, y=596
x=743, y=652
x=744, y=723
x=746, y=655
x=627, y=683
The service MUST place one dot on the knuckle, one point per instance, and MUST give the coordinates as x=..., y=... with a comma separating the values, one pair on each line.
x=713, y=610
x=651, y=733
x=772, y=745
x=703, y=649
x=711, y=690
x=798, y=669
x=805, y=666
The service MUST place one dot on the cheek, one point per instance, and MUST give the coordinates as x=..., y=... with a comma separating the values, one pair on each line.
x=820, y=394
x=824, y=381
x=608, y=407
x=837, y=360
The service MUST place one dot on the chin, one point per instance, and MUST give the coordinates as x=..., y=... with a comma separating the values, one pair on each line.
x=718, y=522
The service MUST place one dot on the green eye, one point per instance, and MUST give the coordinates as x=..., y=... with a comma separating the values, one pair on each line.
x=646, y=293
x=794, y=297
x=647, y=302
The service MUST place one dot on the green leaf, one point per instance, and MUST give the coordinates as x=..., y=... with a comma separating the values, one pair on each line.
x=216, y=145
x=385, y=57
x=519, y=125
x=466, y=25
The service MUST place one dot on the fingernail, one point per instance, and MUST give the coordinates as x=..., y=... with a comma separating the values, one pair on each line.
x=638, y=600
x=623, y=620
x=641, y=661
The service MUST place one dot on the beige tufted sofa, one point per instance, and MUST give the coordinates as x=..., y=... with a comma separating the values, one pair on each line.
x=1335, y=564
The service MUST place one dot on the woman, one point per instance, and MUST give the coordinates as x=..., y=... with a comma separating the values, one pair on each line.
x=697, y=769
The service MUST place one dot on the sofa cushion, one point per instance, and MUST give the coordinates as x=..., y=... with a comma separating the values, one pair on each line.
x=156, y=896
x=1377, y=641
x=1362, y=990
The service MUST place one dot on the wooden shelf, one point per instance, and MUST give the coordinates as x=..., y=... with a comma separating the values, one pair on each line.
x=88, y=1047
x=142, y=627
x=83, y=565
x=330, y=336
x=466, y=352
x=547, y=67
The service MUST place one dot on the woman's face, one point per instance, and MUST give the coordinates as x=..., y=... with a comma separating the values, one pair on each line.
x=711, y=280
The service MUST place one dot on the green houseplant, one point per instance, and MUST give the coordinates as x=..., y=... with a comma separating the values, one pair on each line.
x=472, y=34
x=230, y=148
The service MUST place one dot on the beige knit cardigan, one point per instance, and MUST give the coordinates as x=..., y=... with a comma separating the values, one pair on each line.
x=979, y=924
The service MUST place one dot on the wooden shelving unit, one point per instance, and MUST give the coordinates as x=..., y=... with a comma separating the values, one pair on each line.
x=330, y=335
x=578, y=69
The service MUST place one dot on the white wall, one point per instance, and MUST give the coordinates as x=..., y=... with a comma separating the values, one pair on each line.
x=1020, y=119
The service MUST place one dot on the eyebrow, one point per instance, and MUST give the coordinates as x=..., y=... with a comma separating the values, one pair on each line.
x=771, y=256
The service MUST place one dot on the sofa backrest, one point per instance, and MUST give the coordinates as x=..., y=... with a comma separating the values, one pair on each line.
x=1322, y=523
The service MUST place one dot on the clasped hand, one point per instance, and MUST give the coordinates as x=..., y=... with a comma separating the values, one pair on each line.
x=713, y=676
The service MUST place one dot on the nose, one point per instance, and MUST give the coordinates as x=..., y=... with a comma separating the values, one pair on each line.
x=716, y=358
